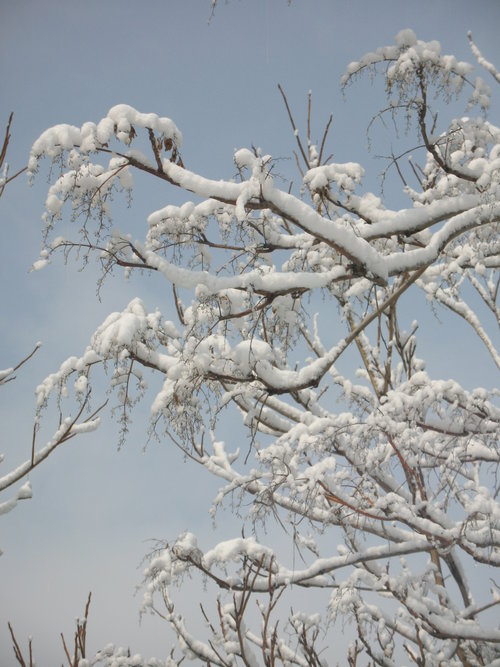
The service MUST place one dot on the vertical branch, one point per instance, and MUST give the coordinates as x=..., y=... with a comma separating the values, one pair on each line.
x=17, y=650
x=3, y=153
x=390, y=345
x=6, y=140
x=295, y=131
x=82, y=629
x=323, y=141
x=240, y=608
x=309, y=142
x=68, y=657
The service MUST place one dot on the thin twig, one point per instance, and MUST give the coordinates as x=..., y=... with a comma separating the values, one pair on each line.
x=17, y=650
x=323, y=141
x=296, y=132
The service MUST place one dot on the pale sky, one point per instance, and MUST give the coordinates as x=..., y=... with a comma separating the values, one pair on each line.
x=62, y=61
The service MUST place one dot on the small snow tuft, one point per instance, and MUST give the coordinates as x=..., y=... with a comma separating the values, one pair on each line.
x=406, y=37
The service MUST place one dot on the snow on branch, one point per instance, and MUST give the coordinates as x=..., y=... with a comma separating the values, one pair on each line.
x=489, y=67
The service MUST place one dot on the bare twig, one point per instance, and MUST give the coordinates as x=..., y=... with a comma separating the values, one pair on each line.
x=296, y=132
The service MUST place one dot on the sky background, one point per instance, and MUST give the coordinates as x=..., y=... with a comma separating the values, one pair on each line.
x=95, y=509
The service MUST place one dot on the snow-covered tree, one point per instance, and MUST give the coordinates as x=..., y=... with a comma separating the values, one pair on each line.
x=386, y=477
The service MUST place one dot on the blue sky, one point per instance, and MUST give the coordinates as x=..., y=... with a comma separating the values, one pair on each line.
x=64, y=61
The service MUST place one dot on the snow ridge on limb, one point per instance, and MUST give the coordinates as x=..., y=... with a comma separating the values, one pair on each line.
x=120, y=122
x=489, y=67
x=395, y=466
